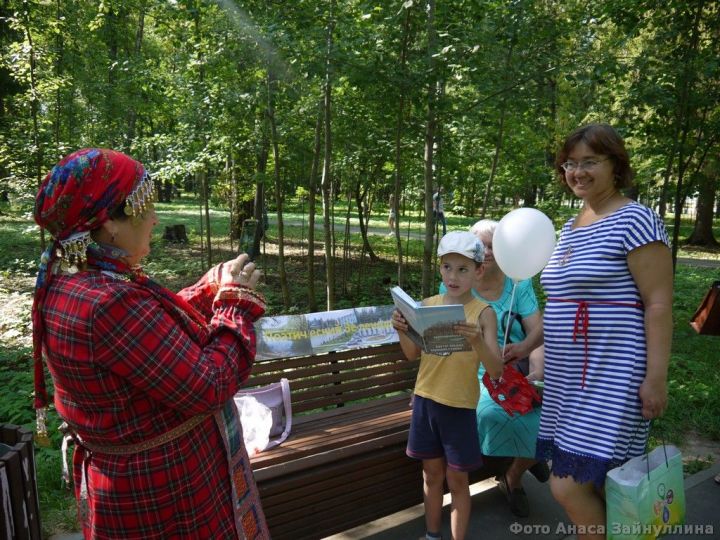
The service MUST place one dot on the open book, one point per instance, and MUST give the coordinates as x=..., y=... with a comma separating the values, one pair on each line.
x=431, y=326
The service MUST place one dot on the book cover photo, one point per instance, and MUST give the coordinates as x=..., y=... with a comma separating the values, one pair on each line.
x=431, y=327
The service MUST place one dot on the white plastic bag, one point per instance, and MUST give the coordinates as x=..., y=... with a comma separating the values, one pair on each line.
x=257, y=422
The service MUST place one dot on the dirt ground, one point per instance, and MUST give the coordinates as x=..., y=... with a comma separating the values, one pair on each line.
x=695, y=448
x=15, y=306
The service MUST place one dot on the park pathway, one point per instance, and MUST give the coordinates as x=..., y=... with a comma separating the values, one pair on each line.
x=416, y=235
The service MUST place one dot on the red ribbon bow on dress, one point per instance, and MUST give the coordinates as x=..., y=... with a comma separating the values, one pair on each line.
x=581, y=328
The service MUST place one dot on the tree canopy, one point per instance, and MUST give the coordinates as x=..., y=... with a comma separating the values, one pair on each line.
x=355, y=96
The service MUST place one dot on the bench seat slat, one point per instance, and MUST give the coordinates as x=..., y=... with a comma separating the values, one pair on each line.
x=311, y=460
x=321, y=402
x=332, y=436
x=373, y=406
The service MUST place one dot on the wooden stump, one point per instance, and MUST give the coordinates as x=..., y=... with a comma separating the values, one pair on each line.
x=175, y=234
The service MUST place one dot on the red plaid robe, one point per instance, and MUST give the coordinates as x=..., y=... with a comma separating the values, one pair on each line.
x=126, y=370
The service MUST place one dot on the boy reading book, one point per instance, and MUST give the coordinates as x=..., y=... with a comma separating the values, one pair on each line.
x=443, y=429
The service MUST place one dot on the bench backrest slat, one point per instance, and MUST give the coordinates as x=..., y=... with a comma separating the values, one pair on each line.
x=335, y=379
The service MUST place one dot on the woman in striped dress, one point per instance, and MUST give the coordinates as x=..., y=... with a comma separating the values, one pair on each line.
x=607, y=327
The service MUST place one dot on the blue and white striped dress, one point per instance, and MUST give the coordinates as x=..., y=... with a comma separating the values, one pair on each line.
x=591, y=423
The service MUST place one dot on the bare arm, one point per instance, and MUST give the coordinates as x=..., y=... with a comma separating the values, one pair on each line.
x=483, y=339
x=651, y=268
x=532, y=324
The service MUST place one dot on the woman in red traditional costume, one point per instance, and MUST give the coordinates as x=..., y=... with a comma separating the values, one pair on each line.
x=144, y=378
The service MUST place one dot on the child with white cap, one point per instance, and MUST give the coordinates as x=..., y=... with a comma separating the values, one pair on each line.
x=443, y=429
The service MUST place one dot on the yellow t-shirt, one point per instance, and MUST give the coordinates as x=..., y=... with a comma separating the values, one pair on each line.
x=451, y=380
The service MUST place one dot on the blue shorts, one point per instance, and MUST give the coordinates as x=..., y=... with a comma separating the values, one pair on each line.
x=438, y=430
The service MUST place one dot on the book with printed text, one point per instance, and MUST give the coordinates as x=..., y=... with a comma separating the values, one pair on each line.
x=431, y=327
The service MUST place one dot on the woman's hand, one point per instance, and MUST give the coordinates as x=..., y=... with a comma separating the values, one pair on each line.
x=240, y=271
x=398, y=321
x=653, y=396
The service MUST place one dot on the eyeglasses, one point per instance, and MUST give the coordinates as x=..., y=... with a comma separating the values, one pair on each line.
x=585, y=165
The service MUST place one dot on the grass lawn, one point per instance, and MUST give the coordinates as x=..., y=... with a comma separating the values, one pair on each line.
x=694, y=378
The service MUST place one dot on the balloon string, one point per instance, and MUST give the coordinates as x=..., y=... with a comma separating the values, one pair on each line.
x=509, y=319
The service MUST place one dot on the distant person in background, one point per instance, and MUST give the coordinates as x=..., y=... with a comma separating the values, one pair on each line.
x=439, y=209
x=391, y=214
x=607, y=326
x=443, y=430
x=144, y=378
x=500, y=434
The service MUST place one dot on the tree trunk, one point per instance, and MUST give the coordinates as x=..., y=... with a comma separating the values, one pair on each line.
x=37, y=145
x=132, y=114
x=496, y=159
x=282, y=274
x=428, y=154
x=234, y=208
x=361, y=193
x=347, y=246
x=206, y=202
x=684, y=118
x=499, y=139
x=259, y=203
x=312, y=299
x=662, y=206
x=60, y=51
x=397, y=188
x=327, y=171
x=702, y=234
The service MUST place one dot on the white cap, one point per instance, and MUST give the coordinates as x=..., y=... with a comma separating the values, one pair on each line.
x=464, y=243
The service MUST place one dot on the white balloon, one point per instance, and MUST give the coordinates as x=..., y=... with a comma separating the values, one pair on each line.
x=523, y=242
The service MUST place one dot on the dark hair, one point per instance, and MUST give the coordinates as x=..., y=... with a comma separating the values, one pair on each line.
x=119, y=213
x=603, y=139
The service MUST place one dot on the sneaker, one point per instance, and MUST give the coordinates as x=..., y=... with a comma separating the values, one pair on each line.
x=541, y=471
x=517, y=498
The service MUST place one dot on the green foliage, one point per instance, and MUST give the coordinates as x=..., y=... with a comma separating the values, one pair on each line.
x=694, y=378
x=16, y=377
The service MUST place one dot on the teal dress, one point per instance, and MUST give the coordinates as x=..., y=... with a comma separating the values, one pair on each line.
x=499, y=433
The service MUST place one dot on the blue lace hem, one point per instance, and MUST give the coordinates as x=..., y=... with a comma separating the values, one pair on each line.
x=581, y=467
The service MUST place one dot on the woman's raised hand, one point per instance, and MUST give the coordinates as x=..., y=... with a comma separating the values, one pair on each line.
x=240, y=271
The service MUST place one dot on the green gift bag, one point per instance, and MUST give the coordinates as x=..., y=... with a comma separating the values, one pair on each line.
x=646, y=496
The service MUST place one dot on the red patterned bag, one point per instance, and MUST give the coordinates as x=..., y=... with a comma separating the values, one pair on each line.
x=512, y=391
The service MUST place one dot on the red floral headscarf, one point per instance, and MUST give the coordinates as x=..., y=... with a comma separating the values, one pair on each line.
x=77, y=196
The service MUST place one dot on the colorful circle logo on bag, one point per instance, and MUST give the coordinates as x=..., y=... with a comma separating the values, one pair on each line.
x=666, y=514
x=661, y=490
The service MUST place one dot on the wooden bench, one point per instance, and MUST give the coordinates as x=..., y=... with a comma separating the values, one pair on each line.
x=344, y=463
x=19, y=503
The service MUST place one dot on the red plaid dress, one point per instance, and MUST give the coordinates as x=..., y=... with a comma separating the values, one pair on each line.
x=127, y=369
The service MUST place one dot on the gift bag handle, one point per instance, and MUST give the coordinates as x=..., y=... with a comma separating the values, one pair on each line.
x=662, y=440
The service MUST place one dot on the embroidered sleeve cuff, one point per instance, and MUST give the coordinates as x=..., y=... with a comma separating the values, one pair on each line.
x=201, y=294
x=250, y=300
